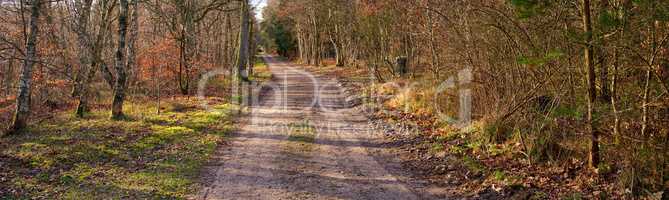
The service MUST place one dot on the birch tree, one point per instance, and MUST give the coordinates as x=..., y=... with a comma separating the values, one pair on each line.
x=23, y=102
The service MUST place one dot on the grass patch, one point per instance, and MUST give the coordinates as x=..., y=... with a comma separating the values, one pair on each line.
x=302, y=132
x=261, y=71
x=147, y=156
x=473, y=165
x=302, y=136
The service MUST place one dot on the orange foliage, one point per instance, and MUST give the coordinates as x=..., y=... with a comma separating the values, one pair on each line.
x=162, y=58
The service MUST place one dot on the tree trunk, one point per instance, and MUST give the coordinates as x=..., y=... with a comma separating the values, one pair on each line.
x=591, y=97
x=182, y=76
x=8, y=82
x=251, y=50
x=96, y=64
x=85, y=52
x=644, y=102
x=82, y=105
x=242, y=59
x=621, y=15
x=316, y=41
x=23, y=97
x=300, y=43
x=614, y=100
x=228, y=43
x=107, y=74
x=120, y=65
x=335, y=42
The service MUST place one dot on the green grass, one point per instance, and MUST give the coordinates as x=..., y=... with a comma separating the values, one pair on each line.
x=301, y=137
x=147, y=156
x=499, y=175
x=302, y=132
x=261, y=71
x=473, y=165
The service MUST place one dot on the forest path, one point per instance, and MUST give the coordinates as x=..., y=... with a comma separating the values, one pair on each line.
x=301, y=141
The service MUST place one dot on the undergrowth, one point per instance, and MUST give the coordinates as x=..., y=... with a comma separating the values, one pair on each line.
x=146, y=156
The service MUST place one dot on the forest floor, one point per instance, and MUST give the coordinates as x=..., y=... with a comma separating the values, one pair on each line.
x=145, y=156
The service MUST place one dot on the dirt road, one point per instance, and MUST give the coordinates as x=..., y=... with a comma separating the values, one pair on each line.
x=300, y=141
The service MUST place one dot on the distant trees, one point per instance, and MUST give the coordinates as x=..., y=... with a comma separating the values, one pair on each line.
x=132, y=47
x=183, y=20
x=277, y=32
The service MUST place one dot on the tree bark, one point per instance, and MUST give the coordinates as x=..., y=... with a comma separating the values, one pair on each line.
x=120, y=65
x=228, y=43
x=315, y=48
x=614, y=98
x=23, y=97
x=84, y=39
x=243, y=52
x=591, y=96
x=301, y=50
x=251, y=49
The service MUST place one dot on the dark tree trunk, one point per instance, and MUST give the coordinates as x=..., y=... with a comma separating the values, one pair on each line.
x=251, y=50
x=401, y=66
x=120, y=65
x=243, y=56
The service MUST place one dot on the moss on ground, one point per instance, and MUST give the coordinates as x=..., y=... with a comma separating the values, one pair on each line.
x=147, y=156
